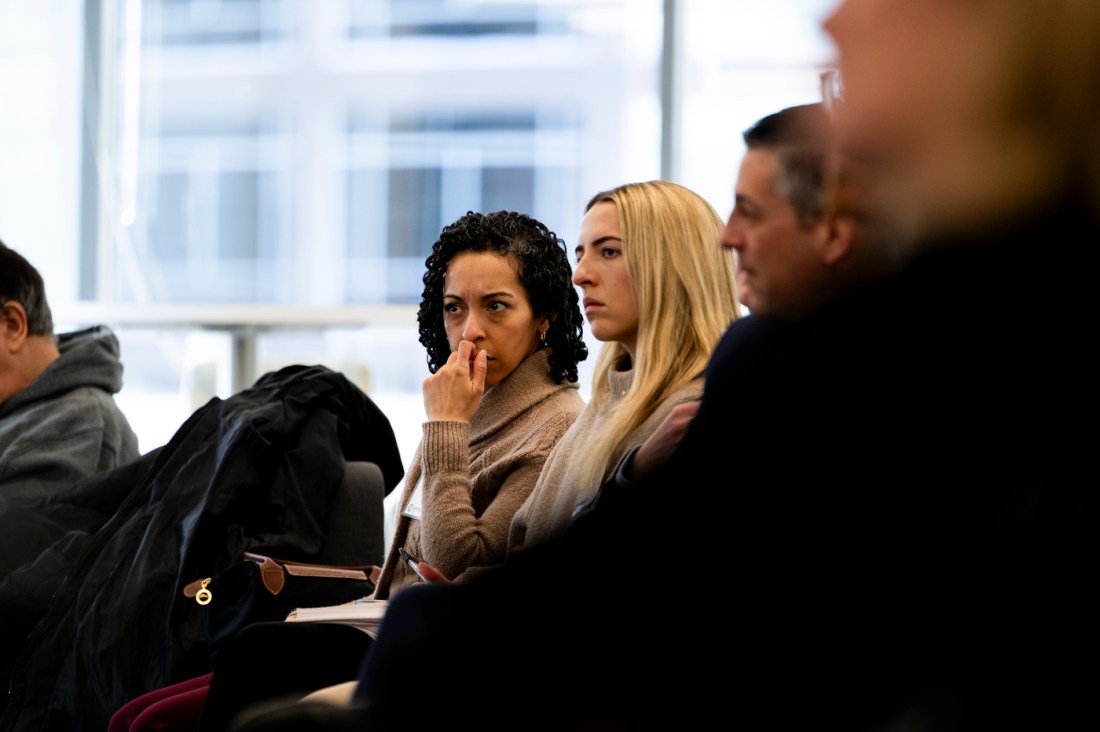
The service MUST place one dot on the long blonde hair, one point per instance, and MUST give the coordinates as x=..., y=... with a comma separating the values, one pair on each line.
x=684, y=282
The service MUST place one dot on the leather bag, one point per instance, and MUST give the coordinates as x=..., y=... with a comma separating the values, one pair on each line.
x=260, y=589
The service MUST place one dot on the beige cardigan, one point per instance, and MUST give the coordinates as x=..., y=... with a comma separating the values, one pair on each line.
x=477, y=474
x=553, y=502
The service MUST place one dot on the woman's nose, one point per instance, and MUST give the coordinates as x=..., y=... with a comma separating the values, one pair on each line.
x=472, y=330
x=581, y=275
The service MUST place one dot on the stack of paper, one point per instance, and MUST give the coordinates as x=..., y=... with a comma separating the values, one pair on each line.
x=364, y=614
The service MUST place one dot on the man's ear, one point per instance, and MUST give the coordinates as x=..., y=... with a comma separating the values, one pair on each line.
x=13, y=326
x=840, y=233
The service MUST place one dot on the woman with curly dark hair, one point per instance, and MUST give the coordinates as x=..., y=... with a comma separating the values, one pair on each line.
x=542, y=268
x=502, y=325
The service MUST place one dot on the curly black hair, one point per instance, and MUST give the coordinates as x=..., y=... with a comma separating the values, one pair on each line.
x=544, y=272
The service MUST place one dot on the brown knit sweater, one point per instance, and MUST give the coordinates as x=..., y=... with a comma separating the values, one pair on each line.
x=476, y=474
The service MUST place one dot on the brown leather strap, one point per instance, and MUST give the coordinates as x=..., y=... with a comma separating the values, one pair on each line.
x=259, y=559
x=320, y=570
x=272, y=571
x=192, y=588
x=271, y=574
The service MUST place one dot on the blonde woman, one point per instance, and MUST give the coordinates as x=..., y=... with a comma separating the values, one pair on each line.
x=659, y=293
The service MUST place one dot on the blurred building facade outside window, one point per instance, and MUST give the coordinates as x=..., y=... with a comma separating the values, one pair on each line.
x=238, y=185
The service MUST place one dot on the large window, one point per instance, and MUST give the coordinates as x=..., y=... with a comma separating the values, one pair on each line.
x=235, y=185
x=308, y=153
x=410, y=175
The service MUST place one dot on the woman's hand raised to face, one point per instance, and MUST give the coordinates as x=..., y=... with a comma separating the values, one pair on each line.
x=454, y=392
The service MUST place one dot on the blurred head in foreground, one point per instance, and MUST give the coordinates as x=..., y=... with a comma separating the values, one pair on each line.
x=967, y=111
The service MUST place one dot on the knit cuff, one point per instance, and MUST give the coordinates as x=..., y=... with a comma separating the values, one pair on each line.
x=446, y=445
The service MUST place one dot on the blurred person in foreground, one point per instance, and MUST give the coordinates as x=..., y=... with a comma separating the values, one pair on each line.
x=59, y=421
x=893, y=535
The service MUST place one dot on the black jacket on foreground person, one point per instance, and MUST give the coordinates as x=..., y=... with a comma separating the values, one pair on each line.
x=885, y=528
x=256, y=471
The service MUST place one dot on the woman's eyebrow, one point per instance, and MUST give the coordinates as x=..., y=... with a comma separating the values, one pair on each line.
x=505, y=294
x=598, y=242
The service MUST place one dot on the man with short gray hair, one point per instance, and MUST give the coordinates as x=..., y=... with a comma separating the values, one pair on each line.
x=796, y=249
x=59, y=421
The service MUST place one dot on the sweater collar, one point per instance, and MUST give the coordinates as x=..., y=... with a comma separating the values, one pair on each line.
x=619, y=382
x=527, y=385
